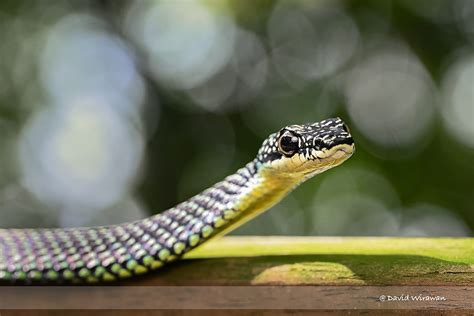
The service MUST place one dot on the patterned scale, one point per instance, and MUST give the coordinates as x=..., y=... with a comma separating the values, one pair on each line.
x=87, y=255
x=78, y=255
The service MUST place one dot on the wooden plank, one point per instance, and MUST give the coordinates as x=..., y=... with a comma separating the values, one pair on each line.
x=347, y=274
x=323, y=261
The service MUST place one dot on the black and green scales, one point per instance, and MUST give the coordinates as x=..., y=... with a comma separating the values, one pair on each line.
x=108, y=253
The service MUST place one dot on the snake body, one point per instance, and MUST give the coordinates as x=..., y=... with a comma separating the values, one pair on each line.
x=109, y=253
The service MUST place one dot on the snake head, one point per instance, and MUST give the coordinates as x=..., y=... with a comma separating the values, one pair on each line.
x=307, y=149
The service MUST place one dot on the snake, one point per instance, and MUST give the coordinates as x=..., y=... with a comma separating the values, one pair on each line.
x=88, y=255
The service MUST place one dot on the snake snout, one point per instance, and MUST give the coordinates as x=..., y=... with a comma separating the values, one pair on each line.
x=343, y=140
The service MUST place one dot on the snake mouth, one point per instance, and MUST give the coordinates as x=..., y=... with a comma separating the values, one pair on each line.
x=330, y=158
x=335, y=152
x=347, y=150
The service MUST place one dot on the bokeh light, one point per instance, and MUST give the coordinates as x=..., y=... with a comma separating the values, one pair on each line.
x=85, y=137
x=439, y=11
x=458, y=106
x=310, y=43
x=463, y=12
x=184, y=54
x=426, y=220
x=238, y=83
x=353, y=215
x=355, y=201
x=390, y=97
x=126, y=209
x=18, y=208
x=111, y=111
x=82, y=59
x=79, y=150
x=311, y=104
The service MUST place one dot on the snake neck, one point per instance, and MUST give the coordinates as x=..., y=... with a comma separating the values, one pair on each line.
x=261, y=192
x=228, y=204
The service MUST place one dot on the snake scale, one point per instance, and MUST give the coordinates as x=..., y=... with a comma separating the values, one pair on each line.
x=109, y=253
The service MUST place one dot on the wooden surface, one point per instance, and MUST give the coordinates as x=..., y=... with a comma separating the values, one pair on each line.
x=323, y=261
x=348, y=274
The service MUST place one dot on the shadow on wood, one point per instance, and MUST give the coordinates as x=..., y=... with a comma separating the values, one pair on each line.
x=327, y=269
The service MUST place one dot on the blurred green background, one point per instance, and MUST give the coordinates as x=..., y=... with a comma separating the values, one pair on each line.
x=114, y=110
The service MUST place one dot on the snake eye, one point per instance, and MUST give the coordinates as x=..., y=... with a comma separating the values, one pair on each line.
x=288, y=143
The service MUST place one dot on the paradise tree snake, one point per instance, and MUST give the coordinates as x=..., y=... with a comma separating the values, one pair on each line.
x=108, y=253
